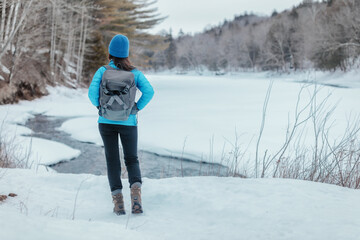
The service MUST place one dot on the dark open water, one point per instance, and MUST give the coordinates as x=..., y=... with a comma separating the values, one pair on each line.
x=92, y=159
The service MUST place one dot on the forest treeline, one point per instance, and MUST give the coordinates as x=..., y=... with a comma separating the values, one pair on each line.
x=50, y=42
x=318, y=35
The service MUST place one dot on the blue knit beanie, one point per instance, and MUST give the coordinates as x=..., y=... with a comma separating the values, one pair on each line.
x=119, y=46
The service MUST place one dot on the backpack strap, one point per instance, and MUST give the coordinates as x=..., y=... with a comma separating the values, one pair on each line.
x=117, y=99
x=108, y=67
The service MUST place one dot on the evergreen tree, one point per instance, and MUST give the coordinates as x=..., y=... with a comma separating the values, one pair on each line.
x=170, y=52
x=128, y=17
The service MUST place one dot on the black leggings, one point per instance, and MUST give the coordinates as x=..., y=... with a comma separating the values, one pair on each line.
x=128, y=135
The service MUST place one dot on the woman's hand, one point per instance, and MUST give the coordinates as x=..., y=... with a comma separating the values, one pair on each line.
x=134, y=109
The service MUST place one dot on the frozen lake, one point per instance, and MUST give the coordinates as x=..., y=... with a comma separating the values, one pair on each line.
x=206, y=118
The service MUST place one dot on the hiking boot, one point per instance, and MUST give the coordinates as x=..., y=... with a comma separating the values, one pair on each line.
x=118, y=201
x=136, y=198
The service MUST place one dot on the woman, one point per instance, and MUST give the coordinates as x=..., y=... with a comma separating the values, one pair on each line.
x=127, y=129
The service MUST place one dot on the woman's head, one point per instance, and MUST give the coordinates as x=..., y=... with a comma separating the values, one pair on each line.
x=119, y=52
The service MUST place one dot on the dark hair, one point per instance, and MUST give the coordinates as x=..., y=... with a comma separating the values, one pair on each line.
x=122, y=63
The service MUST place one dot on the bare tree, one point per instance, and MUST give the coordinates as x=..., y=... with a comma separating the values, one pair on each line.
x=10, y=32
x=338, y=41
x=311, y=35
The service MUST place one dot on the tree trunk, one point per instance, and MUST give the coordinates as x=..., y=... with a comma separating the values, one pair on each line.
x=8, y=22
x=2, y=27
x=53, y=40
x=78, y=65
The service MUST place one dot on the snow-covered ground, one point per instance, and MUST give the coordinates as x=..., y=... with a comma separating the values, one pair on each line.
x=177, y=208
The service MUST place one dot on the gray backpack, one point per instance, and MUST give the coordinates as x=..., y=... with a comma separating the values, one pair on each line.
x=117, y=94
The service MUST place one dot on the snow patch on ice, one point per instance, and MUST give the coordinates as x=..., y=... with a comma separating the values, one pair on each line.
x=84, y=129
x=46, y=152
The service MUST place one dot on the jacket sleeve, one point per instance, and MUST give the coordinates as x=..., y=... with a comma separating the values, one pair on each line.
x=94, y=88
x=145, y=88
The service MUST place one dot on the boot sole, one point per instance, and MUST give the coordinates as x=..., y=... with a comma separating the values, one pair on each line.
x=137, y=212
x=137, y=208
x=120, y=213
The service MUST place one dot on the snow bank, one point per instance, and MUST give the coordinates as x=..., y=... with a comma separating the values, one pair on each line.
x=349, y=79
x=37, y=151
x=177, y=208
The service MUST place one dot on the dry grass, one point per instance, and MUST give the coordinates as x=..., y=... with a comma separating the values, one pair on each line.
x=6, y=159
x=340, y=166
x=336, y=162
x=9, y=152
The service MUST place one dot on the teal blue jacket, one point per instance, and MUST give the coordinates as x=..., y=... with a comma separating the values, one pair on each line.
x=141, y=83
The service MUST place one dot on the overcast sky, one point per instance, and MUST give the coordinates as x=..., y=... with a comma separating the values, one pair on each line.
x=194, y=15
